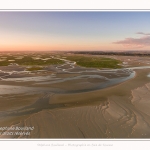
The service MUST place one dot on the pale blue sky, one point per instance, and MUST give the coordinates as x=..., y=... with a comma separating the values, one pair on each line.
x=72, y=30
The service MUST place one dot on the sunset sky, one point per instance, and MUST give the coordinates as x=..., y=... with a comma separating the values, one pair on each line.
x=74, y=31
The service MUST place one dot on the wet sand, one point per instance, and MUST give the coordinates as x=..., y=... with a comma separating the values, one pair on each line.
x=117, y=111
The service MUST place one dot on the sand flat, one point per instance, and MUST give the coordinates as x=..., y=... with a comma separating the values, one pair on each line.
x=52, y=107
x=103, y=113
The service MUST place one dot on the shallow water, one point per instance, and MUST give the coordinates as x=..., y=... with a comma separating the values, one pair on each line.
x=82, y=80
x=109, y=77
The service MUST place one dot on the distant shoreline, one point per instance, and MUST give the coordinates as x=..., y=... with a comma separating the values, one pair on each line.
x=89, y=52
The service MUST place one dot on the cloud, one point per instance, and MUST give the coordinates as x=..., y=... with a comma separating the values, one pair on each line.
x=143, y=33
x=135, y=42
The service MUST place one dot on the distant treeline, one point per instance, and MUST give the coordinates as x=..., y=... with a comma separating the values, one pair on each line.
x=113, y=53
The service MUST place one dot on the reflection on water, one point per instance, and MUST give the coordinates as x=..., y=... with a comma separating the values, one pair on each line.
x=94, y=78
x=83, y=82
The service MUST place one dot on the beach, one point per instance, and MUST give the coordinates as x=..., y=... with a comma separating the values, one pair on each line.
x=78, y=103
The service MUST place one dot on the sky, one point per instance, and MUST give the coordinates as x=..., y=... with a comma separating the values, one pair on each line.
x=77, y=31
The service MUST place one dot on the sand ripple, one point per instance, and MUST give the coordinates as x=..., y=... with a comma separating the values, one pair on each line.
x=113, y=118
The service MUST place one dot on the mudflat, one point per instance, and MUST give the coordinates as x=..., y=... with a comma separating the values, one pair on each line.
x=70, y=101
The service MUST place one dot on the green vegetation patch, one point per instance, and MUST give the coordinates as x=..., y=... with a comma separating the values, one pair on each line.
x=95, y=62
x=4, y=63
x=28, y=60
x=35, y=68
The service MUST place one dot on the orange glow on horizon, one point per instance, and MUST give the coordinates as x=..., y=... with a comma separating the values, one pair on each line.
x=60, y=47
